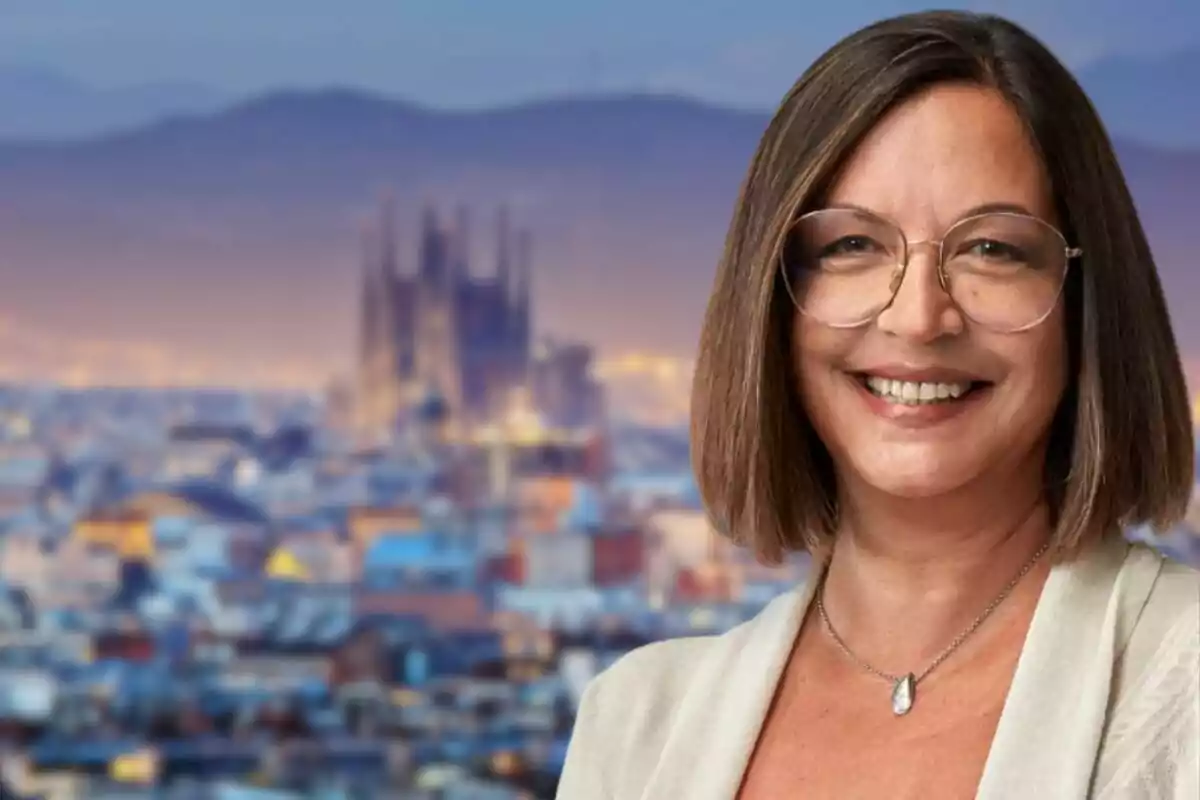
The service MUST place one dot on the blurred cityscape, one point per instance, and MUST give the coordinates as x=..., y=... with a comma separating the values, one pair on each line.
x=394, y=589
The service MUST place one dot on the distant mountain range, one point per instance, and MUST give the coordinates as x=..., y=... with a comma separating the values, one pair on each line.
x=234, y=237
x=1145, y=99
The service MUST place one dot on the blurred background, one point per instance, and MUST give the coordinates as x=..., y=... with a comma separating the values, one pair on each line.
x=344, y=359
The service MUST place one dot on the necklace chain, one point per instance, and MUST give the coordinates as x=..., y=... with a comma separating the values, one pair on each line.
x=946, y=653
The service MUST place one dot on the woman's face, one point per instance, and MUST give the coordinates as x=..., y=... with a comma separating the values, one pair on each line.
x=925, y=166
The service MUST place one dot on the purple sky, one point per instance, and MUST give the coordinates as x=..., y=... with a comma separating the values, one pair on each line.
x=464, y=52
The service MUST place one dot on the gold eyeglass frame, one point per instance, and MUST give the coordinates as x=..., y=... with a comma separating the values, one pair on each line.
x=1069, y=253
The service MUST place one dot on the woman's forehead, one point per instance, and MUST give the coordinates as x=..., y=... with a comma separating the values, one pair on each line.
x=941, y=154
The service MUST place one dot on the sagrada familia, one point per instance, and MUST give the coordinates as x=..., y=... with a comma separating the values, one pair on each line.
x=436, y=338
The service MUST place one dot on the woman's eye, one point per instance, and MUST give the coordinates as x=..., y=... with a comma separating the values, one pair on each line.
x=994, y=250
x=848, y=245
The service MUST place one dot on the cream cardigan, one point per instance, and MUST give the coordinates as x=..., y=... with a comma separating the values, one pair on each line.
x=1105, y=702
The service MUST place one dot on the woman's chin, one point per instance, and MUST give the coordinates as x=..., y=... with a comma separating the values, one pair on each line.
x=915, y=484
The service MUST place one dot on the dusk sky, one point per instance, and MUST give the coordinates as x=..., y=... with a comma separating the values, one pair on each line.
x=470, y=53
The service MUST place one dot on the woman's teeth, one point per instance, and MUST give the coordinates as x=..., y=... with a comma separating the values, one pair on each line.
x=915, y=392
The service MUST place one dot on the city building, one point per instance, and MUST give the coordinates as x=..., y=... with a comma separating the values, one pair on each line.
x=441, y=333
x=565, y=389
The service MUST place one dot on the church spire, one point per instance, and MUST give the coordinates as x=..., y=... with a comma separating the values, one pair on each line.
x=388, y=246
x=375, y=335
x=460, y=263
x=521, y=306
x=435, y=258
x=370, y=299
x=504, y=251
x=524, y=263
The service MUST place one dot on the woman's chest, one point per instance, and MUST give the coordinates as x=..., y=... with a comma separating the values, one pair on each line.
x=834, y=735
x=843, y=757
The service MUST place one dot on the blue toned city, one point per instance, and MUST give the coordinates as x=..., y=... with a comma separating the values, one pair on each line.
x=392, y=588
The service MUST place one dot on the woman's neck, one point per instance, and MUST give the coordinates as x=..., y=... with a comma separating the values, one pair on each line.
x=906, y=577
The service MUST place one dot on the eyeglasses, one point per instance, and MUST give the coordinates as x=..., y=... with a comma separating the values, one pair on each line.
x=1004, y=271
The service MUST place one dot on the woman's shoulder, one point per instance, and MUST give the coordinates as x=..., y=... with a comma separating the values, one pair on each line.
x=1161, y=646
x=655, y=669
x=1170, y=615
x=1153, y=735
x=627, y=711
x=657, y=677
x=663, y=671
x=1178, y=585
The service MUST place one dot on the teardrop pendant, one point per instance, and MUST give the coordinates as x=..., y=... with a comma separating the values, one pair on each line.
x=904, y=692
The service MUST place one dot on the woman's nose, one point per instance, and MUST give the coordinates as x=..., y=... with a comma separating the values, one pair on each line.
x=921, y=309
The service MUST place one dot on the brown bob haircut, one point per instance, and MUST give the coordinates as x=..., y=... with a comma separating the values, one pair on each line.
x=1120, y=450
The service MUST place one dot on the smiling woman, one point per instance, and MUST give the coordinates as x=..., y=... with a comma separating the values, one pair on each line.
x=937, y=357
x=977, y=312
